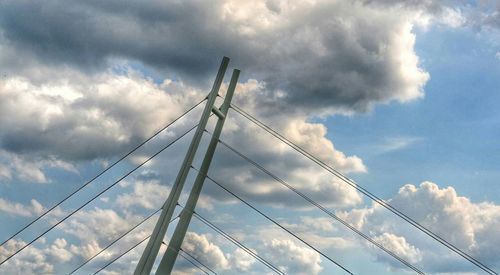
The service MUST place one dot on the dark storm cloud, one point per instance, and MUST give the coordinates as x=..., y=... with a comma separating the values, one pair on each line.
x=327, y=57
x=88, y=33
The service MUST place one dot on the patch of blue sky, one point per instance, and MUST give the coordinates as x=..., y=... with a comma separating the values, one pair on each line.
x=449, y=137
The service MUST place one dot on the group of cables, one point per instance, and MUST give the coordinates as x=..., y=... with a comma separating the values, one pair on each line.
x=204, y=267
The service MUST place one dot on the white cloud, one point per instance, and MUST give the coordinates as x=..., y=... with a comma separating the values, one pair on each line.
x=293, y=258
x=92, y=230
x=30, y=168
x=33, y=260
x=205, y=251
x=98, y=224
x=349, y=64
x=93, y=227
x=28, y=171
x=58, y=251
x=326, y=66
x=470, y=226
x=5, y=172
x=113, y=112
x=323, y=233
x=453, y=17
x=334, y=57
x=202, y=248
x=19, y=209
x=89, y=249
x=397, y=143
x=244, y=179
x=312, y=137
x=278, y=157
x=149, y=195
x=398, y=246
x=322, y=224
x=241, y=260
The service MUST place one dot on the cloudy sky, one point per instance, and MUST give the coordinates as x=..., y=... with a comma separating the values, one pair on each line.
x=401, y=96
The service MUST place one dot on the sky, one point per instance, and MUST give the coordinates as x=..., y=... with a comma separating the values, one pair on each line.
x=400, y=96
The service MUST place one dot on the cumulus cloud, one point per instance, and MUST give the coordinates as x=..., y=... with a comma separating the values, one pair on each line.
x=22, y=168
x=205, y=251
x=472, y=227
x=90, y=126
x=30, y=168
x=351, y=64
x=59, y=252
x=92, y=230
x=97, y=117
x=241, y=260
x=203, y=248
x=323, y=233
x=88, y=250
x=33, y=260
x=149, y=195
x=275, y=156
x=331, y=57
x=19, y=209
x=5, y=172
x=301, y=60
x=323, y=224
x=312, y=137
x=294, y=258
x=98, y=224
x=330, y=62
x=301, y=173
x=399, y=246
x=30, y=262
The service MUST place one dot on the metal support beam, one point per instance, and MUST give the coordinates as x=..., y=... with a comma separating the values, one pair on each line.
x=217, y=112
x=151, y=251
x=168, y=260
